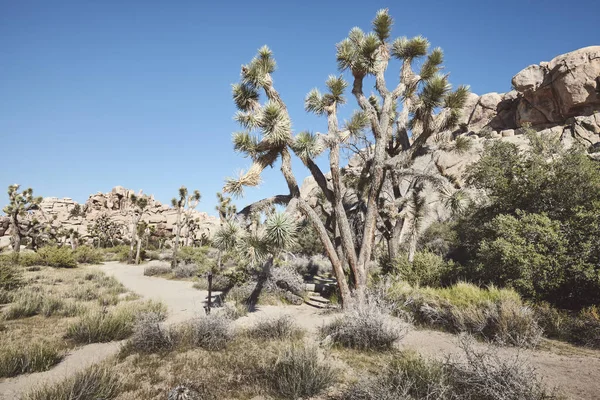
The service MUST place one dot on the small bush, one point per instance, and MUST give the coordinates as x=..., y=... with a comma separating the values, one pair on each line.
x=155, y=268
x=96, y=382
x=10, y=277
x=365, y=327
x=212, y=332
x=234, y=311
x=281, y=327
x=285, y=278
x=57, y=257
x=99, y=326
x=27, y=303
x=298, y=373
x=31, y=357
x=185, y=271
x=426, y=269
x=29, y=259
x=149, y=336
x=88, y=255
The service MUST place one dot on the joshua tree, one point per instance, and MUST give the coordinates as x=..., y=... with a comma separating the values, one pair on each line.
x=19, y=205
x=184, y=205
x=224, y=207
x=406, y=116
x=142, y=232
x=104, y=231
x=139, y=204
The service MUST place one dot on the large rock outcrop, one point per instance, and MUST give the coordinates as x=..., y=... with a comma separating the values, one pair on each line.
x=59, y=214
x=563, y=92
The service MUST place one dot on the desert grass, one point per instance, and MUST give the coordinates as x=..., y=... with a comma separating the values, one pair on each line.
x=36, y=356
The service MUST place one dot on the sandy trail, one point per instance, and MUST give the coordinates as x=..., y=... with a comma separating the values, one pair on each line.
x=576, y=371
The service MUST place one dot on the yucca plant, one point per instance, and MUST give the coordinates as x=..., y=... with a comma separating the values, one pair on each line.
x=398, y=122
x=139, y=204
x=184, y=205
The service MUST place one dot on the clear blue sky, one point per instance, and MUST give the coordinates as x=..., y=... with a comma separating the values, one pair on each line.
x=95, y=94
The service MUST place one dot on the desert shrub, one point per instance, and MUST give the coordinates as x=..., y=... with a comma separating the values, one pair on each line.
x=57, y=257
x=30, y=357
x=426, y=269
x=88, y=255
x=149, y=336
x=365, y=327
x=101, y=325
x=234, y=311
x=584, y=328
x=212, y=332
x=182, y=271
x=483, y=375
x=52, y=305
x=10, y=276
x=157, y=268
x=493, y=314
x=29, y=259
x=220, y=283
x=197, y=256
x=298, y=372
x=93, y=383
x=285, y=278
x=26, y=303
x=280, y=327
x=152, y=255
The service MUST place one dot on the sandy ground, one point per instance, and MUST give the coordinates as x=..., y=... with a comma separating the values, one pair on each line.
x=576, y=371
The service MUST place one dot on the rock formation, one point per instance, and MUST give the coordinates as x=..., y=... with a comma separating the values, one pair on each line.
x=58, y=213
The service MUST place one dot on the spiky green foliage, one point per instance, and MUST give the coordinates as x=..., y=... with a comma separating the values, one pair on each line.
x=337, y=86
x=307, y=146
x=256, y=73
x=382, y=24
x=227, y=236
x=19, y=205
x=408, y=49
x=358, y=123
x=245, y=96
x=281, y=230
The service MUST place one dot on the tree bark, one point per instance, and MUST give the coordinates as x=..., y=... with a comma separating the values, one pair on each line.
x=176, y=244
x=139, y=248
x=135, y=221
x=16, y=233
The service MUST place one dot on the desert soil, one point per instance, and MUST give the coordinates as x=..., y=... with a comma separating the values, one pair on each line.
x=575, y=371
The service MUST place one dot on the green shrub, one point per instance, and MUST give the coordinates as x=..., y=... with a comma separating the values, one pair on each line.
x=31, y=357
x=29, y=259
x=298, y=373
x=426, y=269
x=197, y=256
x=10, y=277
x=88, y=255
x=96, y=382
x=493, y=314
x=57, y=257
x=97, y=326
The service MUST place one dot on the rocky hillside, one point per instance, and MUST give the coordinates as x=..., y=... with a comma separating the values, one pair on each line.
x=116, y=205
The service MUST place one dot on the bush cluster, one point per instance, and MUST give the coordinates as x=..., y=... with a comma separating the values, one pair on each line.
x=88, y=255
x=57, y=257
x=280, y=327
x=155, y=268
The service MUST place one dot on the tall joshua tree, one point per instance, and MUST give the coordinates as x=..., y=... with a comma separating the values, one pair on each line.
x=184, y=205
x=405, y=115
x=139, y=204
x=142, y=232
x=19, y=205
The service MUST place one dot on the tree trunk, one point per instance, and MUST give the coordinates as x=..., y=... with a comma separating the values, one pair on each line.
x=16, y=233
x=134, y=222
x=394, y=242
x=176, y=244
x=72, y=239
x=139, y=248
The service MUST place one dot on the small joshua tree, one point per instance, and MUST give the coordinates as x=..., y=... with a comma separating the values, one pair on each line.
x=19, y=205
x=184, y=206
x=224, y=207
x=139, y=204
x=142, y=232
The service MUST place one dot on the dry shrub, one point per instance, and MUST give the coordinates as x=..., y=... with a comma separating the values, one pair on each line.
x=234, y=311
x=281, y=327
x=31, y=357
x=212, y=332
x=149, y=336
x=480, y=375
x=285, y=278
x=88, y=255
x=94, y=383
x=368, y=326
x=27, y=303
x=157, y=268
x=298, y=372
x=185, y=271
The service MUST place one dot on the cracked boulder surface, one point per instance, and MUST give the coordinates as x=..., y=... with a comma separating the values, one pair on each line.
x=544, y=95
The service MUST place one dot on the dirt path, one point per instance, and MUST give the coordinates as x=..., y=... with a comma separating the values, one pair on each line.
x=576, y=371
